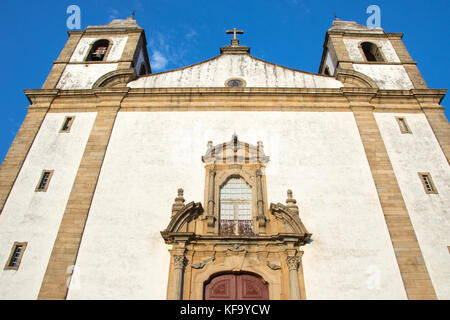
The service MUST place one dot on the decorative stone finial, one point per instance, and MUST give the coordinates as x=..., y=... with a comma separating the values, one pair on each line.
x=179, y=202
x=234, y=41
x=291, y=203
x=209, y=145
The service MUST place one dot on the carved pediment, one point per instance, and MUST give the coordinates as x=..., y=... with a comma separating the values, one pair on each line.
x=291, y=221
x=235, y=151
x=179, y=221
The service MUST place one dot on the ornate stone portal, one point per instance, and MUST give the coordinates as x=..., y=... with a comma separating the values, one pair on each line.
x=237, y=233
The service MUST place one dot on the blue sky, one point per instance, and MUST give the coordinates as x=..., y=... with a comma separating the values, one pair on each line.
x=179, y=33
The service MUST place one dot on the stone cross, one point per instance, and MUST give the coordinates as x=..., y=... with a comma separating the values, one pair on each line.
x=234, y=32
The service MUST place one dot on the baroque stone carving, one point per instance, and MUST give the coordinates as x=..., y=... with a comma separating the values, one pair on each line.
x=235, y=250
x=200, y=265
x=179, y=261
x=273, y=266
x=293, y=263
x=193, y=232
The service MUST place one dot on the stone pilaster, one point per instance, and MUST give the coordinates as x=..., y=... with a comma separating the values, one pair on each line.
x=63, y=59
x=260, y=202
x=294, y=287
x=441, y=128
x=18, y=151
x=414, y=273
x=210, y=217
x=410, y=66
x=68, y=240
x=23, y=141
x=179, y=262
x=429, y=101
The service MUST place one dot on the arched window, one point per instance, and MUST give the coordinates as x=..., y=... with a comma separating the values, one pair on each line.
x=98, y=50
x=235, y=206
x=327, y=71
x=372, y=52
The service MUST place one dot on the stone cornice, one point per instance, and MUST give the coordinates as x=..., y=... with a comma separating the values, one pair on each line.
x=357, y=34
x=41, y=98
x=239, y=99
x=379, y=62
x=102, y=31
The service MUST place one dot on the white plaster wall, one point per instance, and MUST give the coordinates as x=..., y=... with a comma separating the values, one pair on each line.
x=330, y=63
x=319, y=155
x=83, y=76
x=354, y=51
x=430, y=213
x=215, y=72
x=83, y=46
x=34, y=217
x=386, y=76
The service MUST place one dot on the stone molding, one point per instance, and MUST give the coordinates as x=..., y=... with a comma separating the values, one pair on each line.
x=237, y=99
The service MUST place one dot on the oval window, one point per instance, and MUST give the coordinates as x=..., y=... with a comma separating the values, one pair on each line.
x=235, y=83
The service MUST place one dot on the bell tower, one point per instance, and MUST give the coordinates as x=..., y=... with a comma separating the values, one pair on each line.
x=101, y=56
x=380, y=56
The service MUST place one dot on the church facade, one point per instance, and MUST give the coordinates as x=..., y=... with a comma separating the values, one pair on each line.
x=233, y=178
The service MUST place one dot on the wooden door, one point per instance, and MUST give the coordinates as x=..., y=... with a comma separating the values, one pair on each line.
x=236, y=287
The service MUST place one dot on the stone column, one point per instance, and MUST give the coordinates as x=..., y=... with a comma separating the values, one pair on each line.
x=178, y=263
x=260, y=202
x=294, y=288
x=210, y=216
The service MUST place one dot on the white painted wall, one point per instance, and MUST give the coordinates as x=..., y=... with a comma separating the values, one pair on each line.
x=330, y=63
x=386, y=76
x=319, y=155
x=34, y=217
x=83, y=76
x=430, y=213
x=215, y=72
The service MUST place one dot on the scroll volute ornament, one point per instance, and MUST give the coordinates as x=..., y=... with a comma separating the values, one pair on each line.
x=289, y=218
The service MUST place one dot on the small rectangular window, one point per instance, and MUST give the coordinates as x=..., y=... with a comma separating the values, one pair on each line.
x=404, y=128
x=15, y=257
x=44, y=181
x=427, y=182
x=67, y=124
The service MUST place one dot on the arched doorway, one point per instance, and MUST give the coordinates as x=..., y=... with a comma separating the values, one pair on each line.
x=236, y=286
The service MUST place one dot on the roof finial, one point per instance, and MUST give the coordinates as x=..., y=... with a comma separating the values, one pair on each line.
x=234, y=41
x=179, y=202
x=291, y=203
